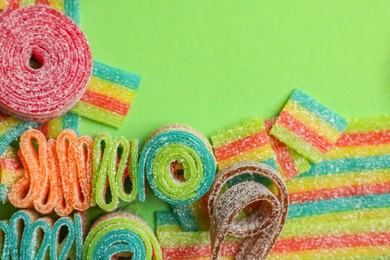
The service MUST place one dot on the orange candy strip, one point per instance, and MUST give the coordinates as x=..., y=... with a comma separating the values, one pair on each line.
x=58, y=173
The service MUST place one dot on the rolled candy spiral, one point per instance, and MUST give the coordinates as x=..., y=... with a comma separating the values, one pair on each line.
x=177, y=146
x=263, y=227
x=57, y=82
x=121, y=234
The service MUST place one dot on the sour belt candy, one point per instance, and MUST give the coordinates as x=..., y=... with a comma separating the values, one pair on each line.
x=308, y=127
x=11, y=170
x=58, y=174
x=54, y=127
x=340, y=206
x=115, y=162
x=63, y=60
x=70, y=7
x=11, y=129
x=176, y=244
x=289, y=162
x=26, y=236
x=263, y=227
x=247, y=141
x=121, y=234
x=180, y=147
x=110, y=92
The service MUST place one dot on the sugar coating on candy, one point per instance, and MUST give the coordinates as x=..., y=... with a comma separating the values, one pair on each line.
x=11, y=170
x=341, y=205
x=28, y=237
x=289, y=162
x=262, y=228
x=56, y=43
x=117, y=233
x=246, y=141
x=110, y=93
x=11, y=129
x=58, y=173
x=115, y=161
x=54, y=127
x=183, y=145
x=308, y=127
x=193, y=216
x=176, y=244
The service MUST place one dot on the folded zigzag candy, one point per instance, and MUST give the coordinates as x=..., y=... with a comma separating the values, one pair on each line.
x=58, y=174
x=26, y=236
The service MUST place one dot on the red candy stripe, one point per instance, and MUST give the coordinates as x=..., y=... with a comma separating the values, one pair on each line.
x=64, y=59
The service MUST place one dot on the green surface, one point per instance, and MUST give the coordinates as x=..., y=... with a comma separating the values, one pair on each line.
x=210, y=64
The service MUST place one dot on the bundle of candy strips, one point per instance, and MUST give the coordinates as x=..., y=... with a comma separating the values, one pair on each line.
x=307, y=184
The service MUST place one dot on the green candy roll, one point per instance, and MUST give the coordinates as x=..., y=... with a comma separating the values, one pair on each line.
x=111, y=159
x=118, y=234
x=183, y=145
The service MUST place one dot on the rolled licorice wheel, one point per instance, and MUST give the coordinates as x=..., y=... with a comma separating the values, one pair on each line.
x=119, y=234
x=114, y=161
x=182, y=145
x=263, y=227
x=57, y=82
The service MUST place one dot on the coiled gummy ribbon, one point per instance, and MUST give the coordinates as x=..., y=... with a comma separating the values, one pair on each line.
x=63, y=63
x=121, y=234
x=171, y=146
x=263, y=226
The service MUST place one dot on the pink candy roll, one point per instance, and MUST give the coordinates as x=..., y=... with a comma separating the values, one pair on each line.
x=45, y=63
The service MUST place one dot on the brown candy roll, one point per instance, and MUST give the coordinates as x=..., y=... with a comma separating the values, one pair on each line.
x=261, y=228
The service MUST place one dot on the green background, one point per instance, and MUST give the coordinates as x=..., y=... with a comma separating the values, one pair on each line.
x=210, y=64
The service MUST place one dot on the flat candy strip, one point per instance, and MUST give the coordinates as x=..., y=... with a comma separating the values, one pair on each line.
x=11, y=129
x=247, y=141
x=54, y=127
x=110, y=93
x=184, y=146
x=115, y=160
x=308, y=127
x=43, y=93
x=119, y=233
x=28, y=237
x=262, y=228
x=289, y=162
x=11, y=170
x=70, y=7
x=340, y=205
x=176, y=244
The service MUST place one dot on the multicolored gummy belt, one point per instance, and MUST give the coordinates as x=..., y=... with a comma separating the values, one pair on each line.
x=11, y=129
x=11, y=170
x=58, y=174
x=308, y=127
x=176, y=244
x=70, y=7
x=26, y=236
x=262, y=228
x=247, y=141
x=115, y=162
x=121, y=235
x=63, y=63
x=289, y=162
x=54, y=127
x=110, y=93
x=178, y=163
x=340, y=207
